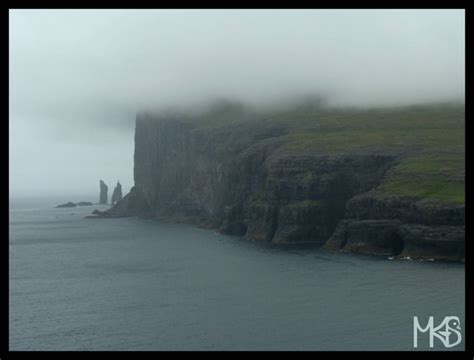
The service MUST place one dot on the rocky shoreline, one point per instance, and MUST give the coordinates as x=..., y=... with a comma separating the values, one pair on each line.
x=238, y=180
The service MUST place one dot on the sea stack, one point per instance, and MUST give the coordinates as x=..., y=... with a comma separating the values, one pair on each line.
x=117, y=194
x=103, y=193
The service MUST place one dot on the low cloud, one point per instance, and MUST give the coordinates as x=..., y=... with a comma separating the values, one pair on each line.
x=81, y=75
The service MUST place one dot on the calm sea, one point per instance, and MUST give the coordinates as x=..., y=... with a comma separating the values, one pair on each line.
x=132, y=284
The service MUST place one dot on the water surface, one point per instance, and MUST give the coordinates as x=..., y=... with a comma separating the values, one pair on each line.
x=133, y=284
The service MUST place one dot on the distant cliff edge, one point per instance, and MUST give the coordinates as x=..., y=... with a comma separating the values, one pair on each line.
x=384, y=181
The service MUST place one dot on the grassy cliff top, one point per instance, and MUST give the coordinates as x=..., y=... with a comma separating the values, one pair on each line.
x=429, y=139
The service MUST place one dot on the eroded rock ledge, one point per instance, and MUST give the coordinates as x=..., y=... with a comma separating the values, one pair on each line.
x=239, y=180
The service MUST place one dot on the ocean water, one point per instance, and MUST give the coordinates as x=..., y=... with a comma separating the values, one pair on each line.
x=133, y=284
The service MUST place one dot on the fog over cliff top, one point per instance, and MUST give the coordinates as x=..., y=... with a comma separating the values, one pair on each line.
x=78, y=77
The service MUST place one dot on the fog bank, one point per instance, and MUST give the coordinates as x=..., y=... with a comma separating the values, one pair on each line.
x=78, y=77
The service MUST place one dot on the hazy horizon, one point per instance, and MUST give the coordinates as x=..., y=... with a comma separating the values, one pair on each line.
x=78, y=77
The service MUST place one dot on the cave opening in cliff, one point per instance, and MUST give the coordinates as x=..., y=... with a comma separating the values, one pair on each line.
x=397, y=244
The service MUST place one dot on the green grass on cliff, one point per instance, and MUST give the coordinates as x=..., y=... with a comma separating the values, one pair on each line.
x=415, y=127
x=429, y=140
x=438, y=176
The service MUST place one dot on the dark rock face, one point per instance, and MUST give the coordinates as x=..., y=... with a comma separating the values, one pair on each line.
x=237, y=179
x=371, y=205
x=117, y=194
x=133, y=204
x=433, y=242
x=378, y=237
x=67, y=205
x=95, y=214
x=103, y=193
x=392, y=237
x=84, y=203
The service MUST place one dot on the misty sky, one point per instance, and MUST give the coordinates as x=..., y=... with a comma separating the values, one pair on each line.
x=77, y=77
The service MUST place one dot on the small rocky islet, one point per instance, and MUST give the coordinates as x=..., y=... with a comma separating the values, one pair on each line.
x=71, y=204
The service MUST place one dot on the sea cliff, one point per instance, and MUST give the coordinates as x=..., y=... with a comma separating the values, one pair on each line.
x=386, y=182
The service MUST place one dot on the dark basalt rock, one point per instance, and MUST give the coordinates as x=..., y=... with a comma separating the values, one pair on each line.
x=392, y=237
x=433, y=242
x=117, y=194
x=133, y=204
x=103, y=193
x=71, y=204
x=373, y=205
x=67, y=205
x=379, y=237
x=84, y=203
x=95, y=214
x=238, y=179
